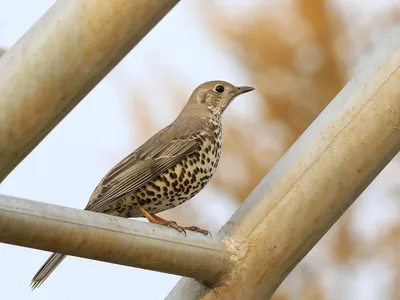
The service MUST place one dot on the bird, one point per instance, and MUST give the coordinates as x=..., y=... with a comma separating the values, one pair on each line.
x=168, y=169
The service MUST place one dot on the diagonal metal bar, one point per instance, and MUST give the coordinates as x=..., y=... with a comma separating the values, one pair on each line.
x=59, y=60
x=111, y=239
x=320, y=176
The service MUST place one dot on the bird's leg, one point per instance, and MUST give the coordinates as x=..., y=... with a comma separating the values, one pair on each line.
x=160, y=219
x=157, y=220
x=190, y=228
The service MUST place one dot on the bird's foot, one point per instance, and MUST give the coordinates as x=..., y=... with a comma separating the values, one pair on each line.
x=197, y=229
x=172, y=224
x=160, y=221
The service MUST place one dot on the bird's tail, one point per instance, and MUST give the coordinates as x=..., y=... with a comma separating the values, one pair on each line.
x=48, y=267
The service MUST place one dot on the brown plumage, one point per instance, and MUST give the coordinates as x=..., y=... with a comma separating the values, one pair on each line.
x=168, y=169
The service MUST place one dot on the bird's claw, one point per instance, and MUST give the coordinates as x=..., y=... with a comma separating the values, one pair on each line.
x=174, y=225
x=197, y=229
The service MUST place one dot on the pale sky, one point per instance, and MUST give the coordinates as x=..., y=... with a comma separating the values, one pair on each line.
x=68, y=164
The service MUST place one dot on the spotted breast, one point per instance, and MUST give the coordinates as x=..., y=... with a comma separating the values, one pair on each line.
x=178, y=184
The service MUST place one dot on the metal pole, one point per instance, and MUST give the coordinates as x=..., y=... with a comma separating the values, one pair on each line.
x=59, y=60
x=321, y=175
x=111, y=239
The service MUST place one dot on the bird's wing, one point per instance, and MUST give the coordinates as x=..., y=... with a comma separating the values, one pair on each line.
x=157, y=155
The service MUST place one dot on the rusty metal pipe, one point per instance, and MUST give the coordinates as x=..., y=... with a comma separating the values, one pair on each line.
x=314, y=183
x=59, y=60
x=111, y=239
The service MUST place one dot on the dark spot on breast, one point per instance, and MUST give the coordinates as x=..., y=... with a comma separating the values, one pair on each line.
x=165, y=188
x=150, y=193
x=203, y=162
x=154, y=186
x=208, y=160
x=173, y=175
x=158, y=196
x=186, y=182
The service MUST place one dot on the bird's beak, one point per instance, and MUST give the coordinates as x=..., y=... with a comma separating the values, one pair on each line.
x=243, y=89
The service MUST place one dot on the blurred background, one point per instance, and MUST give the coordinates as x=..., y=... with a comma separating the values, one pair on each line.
x=298, y=54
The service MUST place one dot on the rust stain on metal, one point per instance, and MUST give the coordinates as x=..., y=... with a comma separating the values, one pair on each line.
x=32, y=111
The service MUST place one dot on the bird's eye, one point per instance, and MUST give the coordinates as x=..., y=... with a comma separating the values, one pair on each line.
x=219, y=88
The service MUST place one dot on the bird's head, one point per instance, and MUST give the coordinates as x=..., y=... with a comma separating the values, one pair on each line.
x=217, y=95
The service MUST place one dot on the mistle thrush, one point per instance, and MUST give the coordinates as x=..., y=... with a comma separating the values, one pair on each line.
x=168, y=169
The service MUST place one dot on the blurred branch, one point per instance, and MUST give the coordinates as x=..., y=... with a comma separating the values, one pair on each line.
x=290, y=49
